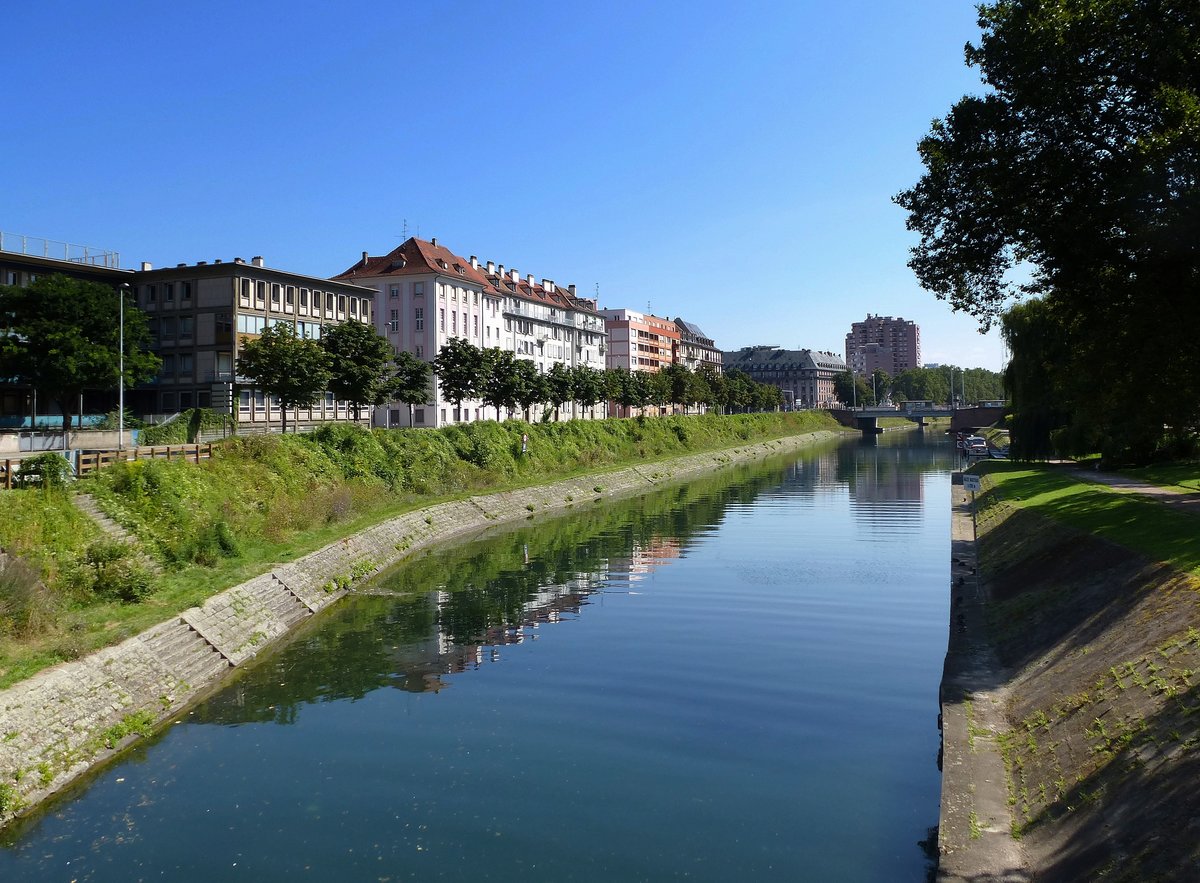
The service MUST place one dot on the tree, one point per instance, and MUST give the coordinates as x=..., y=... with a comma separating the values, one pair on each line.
x=739, y=390
x=679, y=378
x=460, y=368
x=294, y=369
x=560, y=386
x=587, y=386
x=60, y=336
x=1077, y=178
x=499, y=388
x=530, y=385
x=410, y=381
x=851, y=389
x=712, y=387
x=360, y=361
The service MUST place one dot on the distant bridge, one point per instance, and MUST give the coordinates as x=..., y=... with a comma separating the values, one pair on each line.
x=961, y=419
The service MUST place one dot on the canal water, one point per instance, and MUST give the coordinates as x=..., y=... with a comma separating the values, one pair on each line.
x=734, y=679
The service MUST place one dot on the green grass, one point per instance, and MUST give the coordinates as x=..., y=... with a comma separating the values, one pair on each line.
x=1146, y=527
x=1181, y=477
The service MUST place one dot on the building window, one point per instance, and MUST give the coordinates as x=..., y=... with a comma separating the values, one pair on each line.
x=289, y=296
x=260, y=292
x=168, y=366
x=393, y=416
x=168, y=401
x=168, y=291
x=476, y=325
x=441, y=319
x=185, y=400
x=454, y=323
x=244, y=400
x=443, y=415
x=185, y=326
x=394, y=292
x=185, y=291
x=419, y=351
x=151, y=294
x=317, y=302
x=418, y=289
x=341, y=305
x=419, y=318
x=419, y=416
x=304, y=299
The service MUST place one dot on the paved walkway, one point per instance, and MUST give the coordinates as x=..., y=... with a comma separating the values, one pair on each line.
x=1184, y=502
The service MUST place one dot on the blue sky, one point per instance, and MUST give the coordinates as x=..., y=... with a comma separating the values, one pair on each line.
x=731, y=164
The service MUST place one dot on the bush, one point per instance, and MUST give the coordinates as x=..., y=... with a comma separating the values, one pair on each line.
x=45, y=471
x=27, y=607
x=116, y=572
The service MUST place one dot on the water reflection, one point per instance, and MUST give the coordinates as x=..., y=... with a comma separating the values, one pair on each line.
x=731, y=678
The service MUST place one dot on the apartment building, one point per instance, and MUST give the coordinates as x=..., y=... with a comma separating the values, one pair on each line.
x=805, y=377
x=639, y=341
x=201, y=315
x=695, y=349
x=883, y=343
x=426, y=295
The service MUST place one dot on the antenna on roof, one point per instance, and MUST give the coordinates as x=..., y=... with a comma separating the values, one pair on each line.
x=406, y=229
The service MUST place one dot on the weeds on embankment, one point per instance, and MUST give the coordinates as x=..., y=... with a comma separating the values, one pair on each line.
x=265, y=499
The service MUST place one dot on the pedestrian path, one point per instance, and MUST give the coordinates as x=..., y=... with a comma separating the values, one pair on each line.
x=1184, y=502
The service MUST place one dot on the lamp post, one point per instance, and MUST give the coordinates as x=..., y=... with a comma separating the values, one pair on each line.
x=121, y=292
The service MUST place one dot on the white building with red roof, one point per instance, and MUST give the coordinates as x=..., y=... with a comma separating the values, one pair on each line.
x=427, y=294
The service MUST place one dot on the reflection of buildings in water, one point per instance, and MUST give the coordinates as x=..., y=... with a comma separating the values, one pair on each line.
x=645, y=558
x=887, y=477
x=424, y=664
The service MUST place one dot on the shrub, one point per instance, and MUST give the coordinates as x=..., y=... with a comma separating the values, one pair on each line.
x=116, y=572
x=27, y=607
x=45, y=471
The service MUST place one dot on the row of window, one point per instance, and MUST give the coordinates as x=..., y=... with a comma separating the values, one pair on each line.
x=289, y=298
x=168, y=291
x=251, y=324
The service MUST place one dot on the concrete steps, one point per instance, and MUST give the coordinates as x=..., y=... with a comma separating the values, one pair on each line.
x=184, y=652
x=86, y=504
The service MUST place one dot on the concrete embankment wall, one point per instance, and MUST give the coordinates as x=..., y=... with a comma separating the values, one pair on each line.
x=68, y=720
x=1071, y=726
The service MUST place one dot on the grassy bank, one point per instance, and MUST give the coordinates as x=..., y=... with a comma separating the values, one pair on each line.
x=260, y=500
x=1094, y=610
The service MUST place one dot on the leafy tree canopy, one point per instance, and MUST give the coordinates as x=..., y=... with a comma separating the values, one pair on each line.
x=61, y=337
x=361, y=364
x=294, y=369
x=1077, y=178
x=460, y=370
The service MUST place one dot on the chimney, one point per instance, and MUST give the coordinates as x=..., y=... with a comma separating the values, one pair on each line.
x=181, y=265
x=239, y=260
x=146, y=265
x=364, y=260
x=257, y=260
x=201, y=263
x=529, y=280
x=500, y=269
x=571, y=288
x=433, y=241
x=516, y=275
x=491, y=268
x=216, y=260
x=548, y=284
x=474, y=262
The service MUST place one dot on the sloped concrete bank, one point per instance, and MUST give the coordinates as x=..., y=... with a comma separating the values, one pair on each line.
x=68, y=720
x=1071, y=726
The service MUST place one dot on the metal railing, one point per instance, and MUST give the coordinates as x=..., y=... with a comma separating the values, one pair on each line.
x=63, y=251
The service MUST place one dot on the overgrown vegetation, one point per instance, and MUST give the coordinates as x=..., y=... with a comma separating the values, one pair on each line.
x=269, y=498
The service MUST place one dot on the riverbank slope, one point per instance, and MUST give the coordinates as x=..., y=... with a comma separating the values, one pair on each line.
x=1070, y=733
x=63, y=722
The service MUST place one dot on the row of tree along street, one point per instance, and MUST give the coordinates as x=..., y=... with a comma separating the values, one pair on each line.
x=358, y=366
x=945, y=383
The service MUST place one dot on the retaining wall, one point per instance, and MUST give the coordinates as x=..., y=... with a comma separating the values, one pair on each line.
x=68, y=720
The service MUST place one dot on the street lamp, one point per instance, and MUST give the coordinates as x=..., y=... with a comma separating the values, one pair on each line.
x=121, y=292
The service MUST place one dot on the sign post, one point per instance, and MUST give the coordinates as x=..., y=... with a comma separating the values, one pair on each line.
x=972, y=483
